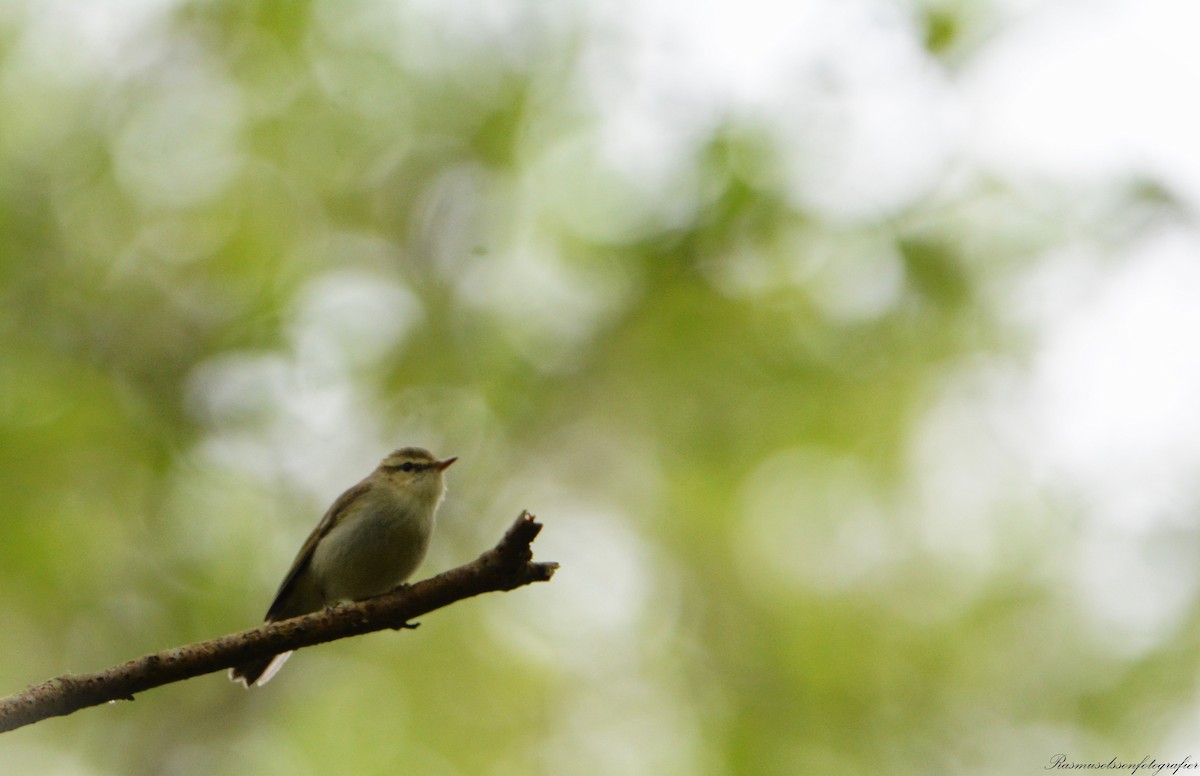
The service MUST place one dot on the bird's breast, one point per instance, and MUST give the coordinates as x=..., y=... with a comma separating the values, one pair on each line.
x=371, y=551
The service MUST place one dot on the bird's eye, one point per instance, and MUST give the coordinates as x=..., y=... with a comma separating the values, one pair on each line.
x=407, y=466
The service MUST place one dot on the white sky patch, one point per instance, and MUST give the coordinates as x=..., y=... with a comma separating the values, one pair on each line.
x=548, y=306
x=859, y=281
x=864, y=119
x=181, y=145
x=1088, y=89
x=1117, y=382
x=1112, y=416
x=298, y=415
x=349, y=319
x=77, y=38
x=584, y=620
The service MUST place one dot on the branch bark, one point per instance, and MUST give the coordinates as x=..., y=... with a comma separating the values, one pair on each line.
x=506, y=566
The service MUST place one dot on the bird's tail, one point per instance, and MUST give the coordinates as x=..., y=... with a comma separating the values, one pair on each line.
x=259, y=672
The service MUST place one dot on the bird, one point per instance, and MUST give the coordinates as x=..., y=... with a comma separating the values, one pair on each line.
x=370, y=540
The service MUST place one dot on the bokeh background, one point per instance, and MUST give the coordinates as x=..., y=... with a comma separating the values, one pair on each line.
x=846, y=348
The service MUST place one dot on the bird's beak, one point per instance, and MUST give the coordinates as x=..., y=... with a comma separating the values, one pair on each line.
x=444, y=465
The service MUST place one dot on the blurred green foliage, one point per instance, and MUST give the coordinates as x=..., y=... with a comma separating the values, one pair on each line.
x=248, y=248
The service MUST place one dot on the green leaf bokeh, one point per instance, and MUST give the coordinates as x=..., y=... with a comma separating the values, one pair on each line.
x=248, y=248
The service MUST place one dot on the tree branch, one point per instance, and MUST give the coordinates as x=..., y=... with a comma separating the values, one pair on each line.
x=506, y=566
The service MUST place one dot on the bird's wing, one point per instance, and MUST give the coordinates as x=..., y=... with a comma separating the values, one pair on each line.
x=328, y=521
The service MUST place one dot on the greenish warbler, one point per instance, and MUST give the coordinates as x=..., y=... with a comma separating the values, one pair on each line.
x=372, y=539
